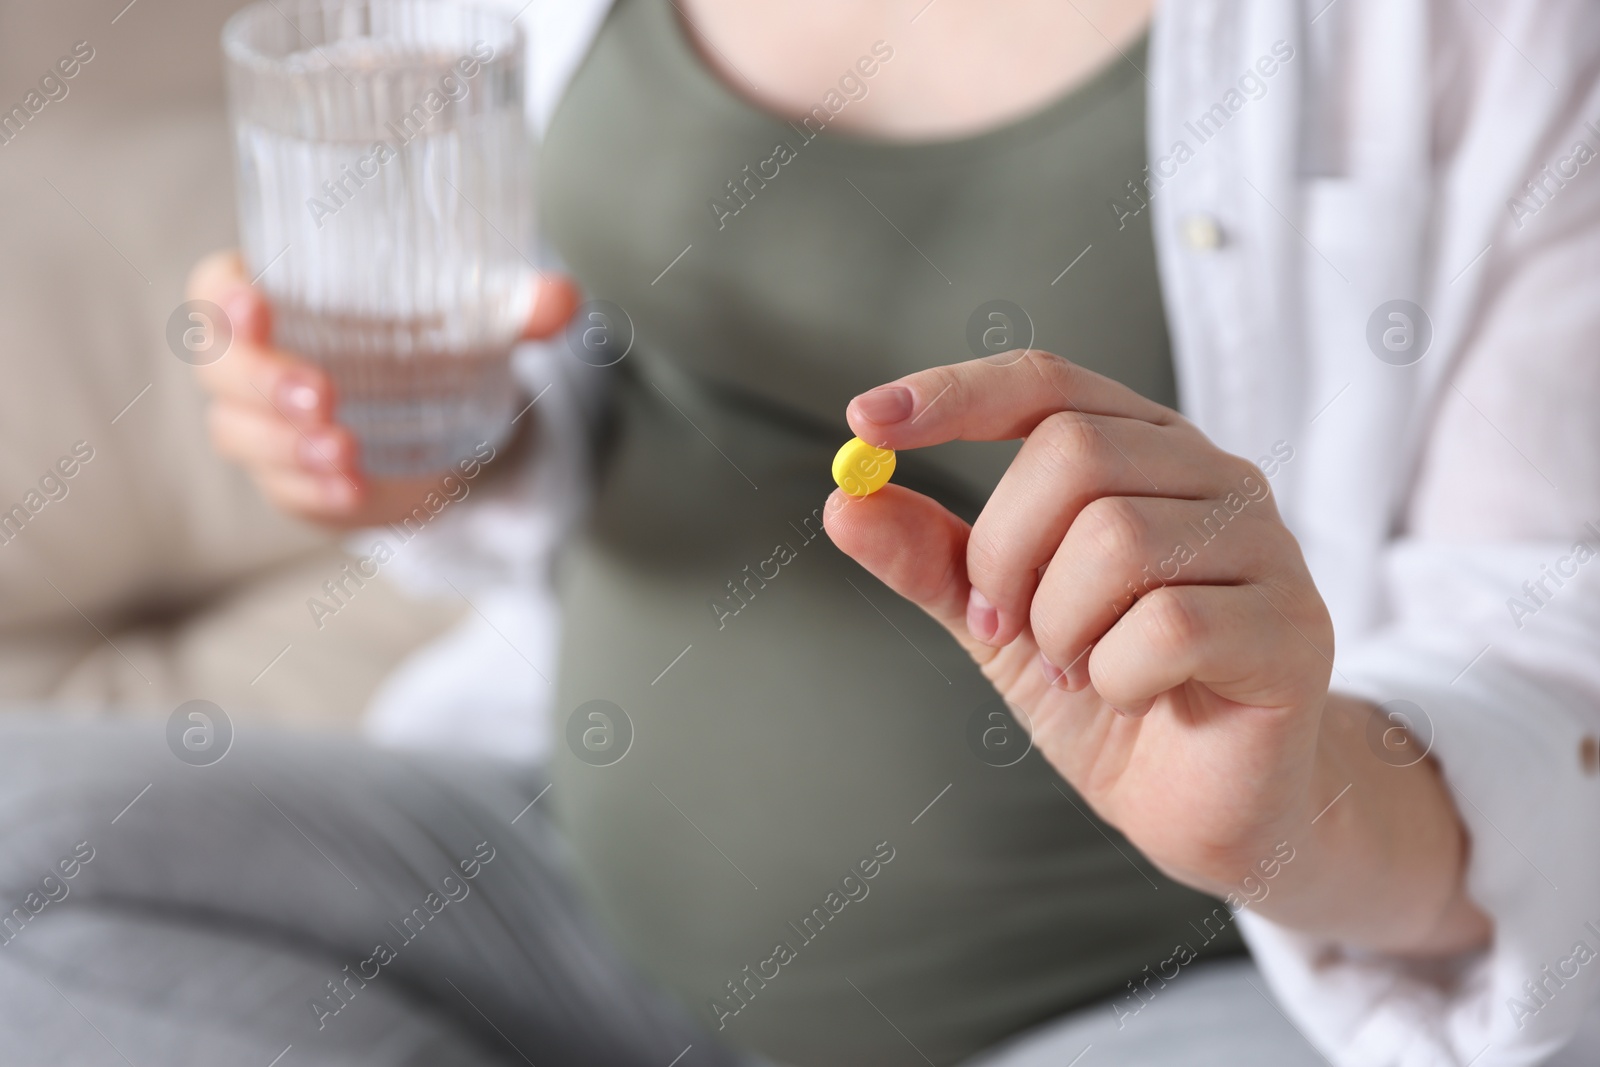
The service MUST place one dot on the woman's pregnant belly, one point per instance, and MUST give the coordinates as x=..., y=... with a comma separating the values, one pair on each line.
x=785, y=812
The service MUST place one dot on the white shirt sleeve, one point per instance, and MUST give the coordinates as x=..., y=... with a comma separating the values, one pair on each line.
x=1494, y=634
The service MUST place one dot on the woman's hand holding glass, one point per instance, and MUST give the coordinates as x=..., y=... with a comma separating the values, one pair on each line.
x=1132, y=590
x=276, y=414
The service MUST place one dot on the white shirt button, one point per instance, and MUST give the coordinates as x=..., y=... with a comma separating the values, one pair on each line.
x=1202, y=233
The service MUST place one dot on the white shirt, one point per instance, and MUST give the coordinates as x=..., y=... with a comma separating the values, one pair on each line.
x=1385, y=158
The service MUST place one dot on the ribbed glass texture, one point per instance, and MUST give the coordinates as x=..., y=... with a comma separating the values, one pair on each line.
x=386, y=201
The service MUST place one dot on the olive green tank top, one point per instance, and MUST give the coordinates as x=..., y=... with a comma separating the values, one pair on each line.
x=799, y=805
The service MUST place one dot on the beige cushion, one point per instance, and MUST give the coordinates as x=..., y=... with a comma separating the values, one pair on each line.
x=160, y=575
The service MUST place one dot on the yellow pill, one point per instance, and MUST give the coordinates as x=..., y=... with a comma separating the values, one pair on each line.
x=860, y=469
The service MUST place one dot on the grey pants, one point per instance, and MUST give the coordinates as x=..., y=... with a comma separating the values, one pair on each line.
x=315, y=902
x=298, y=902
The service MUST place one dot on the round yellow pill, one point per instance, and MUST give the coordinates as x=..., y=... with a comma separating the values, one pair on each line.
x=861, y=469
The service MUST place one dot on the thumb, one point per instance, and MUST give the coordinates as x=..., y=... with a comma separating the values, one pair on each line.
x=912, y=544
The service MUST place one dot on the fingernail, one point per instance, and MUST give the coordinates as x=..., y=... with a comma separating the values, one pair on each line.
x=1077, y=676
x=886, y=404
x=1052, y=673
x=982, y=618
x=320, y=451
x=298, y=395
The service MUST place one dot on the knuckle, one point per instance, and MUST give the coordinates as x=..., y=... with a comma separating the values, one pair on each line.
x=1310, y=612
x=1169, y=621
x=1055, y=367
x=1244, y=477
x=1280, y=547
x=1114, y=528
x=1072, y=439
x=1268, y=552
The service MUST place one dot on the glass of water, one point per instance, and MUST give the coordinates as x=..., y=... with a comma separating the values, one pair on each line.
x=386, y=204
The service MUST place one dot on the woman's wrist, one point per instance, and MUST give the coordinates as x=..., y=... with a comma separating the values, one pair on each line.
x=1380, y=850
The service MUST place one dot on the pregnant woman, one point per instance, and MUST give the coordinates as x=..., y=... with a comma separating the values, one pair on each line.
x=821, y=847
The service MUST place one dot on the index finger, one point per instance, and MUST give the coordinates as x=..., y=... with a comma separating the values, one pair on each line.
x=220, y=278
x=984, y=400
x=252, y=372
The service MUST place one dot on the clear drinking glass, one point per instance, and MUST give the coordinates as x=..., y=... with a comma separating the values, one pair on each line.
x=386, y=200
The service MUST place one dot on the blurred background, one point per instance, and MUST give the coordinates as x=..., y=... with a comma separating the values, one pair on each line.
x=155, y=573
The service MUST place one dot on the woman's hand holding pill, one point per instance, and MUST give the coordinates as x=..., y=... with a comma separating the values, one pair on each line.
x=1132, y=590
